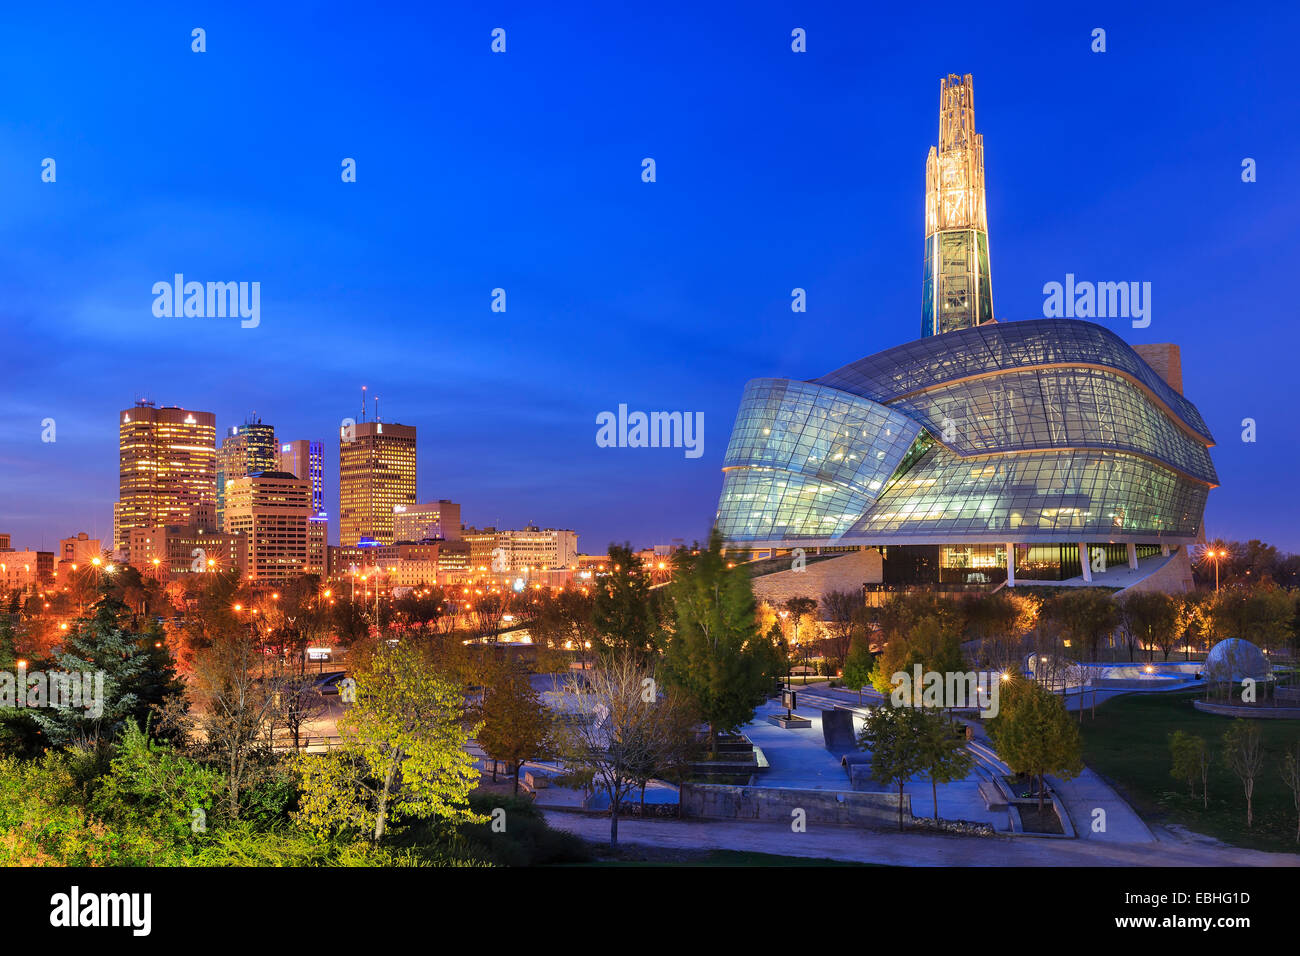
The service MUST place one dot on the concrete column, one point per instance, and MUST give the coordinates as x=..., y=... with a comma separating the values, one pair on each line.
x=1011, y=565
x=1132, y=555
x=1164, y=551
x=1085, y=561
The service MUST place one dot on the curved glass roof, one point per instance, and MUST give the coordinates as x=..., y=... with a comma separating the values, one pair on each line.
x=1004, y=346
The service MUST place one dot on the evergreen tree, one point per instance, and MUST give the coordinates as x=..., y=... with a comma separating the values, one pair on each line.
x=98, y=646
x=715, y=654
x=622, y=612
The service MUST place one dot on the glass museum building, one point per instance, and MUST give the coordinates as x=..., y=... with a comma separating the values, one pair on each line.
x=986, y=451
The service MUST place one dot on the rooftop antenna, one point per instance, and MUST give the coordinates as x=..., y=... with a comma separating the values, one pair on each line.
x=363, y=403
x=377, y=418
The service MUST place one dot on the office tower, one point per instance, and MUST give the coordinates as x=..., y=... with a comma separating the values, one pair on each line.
x=376, y=473
x=956, y=292
x=273, y=511
x=167, y=468
x=246, y=449
x=305, y=459
x=438, y=520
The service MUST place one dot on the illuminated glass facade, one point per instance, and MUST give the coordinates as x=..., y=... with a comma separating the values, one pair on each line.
x=979, y=437
x=1055, y=431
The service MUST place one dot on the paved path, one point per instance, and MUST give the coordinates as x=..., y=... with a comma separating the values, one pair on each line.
x=907, y=849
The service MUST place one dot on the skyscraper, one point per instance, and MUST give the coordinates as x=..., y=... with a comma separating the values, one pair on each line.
x=247, y=449
x=273, y=510
x=166, y=468
x=956, y=292
x=305, y=459
x=376, y=473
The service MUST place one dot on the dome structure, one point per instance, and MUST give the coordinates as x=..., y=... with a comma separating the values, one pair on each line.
x=1236, y=660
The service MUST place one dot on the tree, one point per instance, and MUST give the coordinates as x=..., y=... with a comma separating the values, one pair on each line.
x=944, y=757
x=101, y=646
x=516, y=725
x=1000, y=621
x=406, y=726
x=612, y=732
x=1291, y=777
x=858, y=665
x=1087, y=616
x=841, y=610
x=715, y=654
x=893, y=735
x=1243, y=751
x=297, y=701
x=1033, y=733
x=228, y=711
x=1184, y=750
x=797, y=608
x=933, y=642
x=1151, y=618
x=621, y=611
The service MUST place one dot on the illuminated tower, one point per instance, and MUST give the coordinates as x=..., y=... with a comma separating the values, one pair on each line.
x=167, y=468
x=376, y=473
x=246, y=450
x=956, y=292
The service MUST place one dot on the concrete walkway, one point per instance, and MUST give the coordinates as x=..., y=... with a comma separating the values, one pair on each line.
x=906, y=849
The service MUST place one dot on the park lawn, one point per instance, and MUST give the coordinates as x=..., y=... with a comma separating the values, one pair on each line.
x=1128, y=744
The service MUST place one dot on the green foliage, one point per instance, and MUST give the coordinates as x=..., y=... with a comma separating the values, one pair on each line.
x=152, y=786
x=858, y=665
x=1185, y=752
x=715, y=654
x=1033, y=733
x=622, y=614
x=516, y=725
x=894, y=736
x=403, y=752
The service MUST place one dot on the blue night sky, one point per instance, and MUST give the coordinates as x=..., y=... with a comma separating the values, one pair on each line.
x=522, y=171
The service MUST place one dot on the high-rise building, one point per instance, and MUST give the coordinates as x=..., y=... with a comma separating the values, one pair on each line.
x=273, y=511
x=956, y=291
x=167, y=468
x=246, y=449
x=376, y=473
x=306, y=459
x=436, y=521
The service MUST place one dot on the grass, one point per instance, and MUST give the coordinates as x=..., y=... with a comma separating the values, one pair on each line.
x=1128, y=744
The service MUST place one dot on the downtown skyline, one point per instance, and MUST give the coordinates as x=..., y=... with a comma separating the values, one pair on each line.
x=476, y=173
